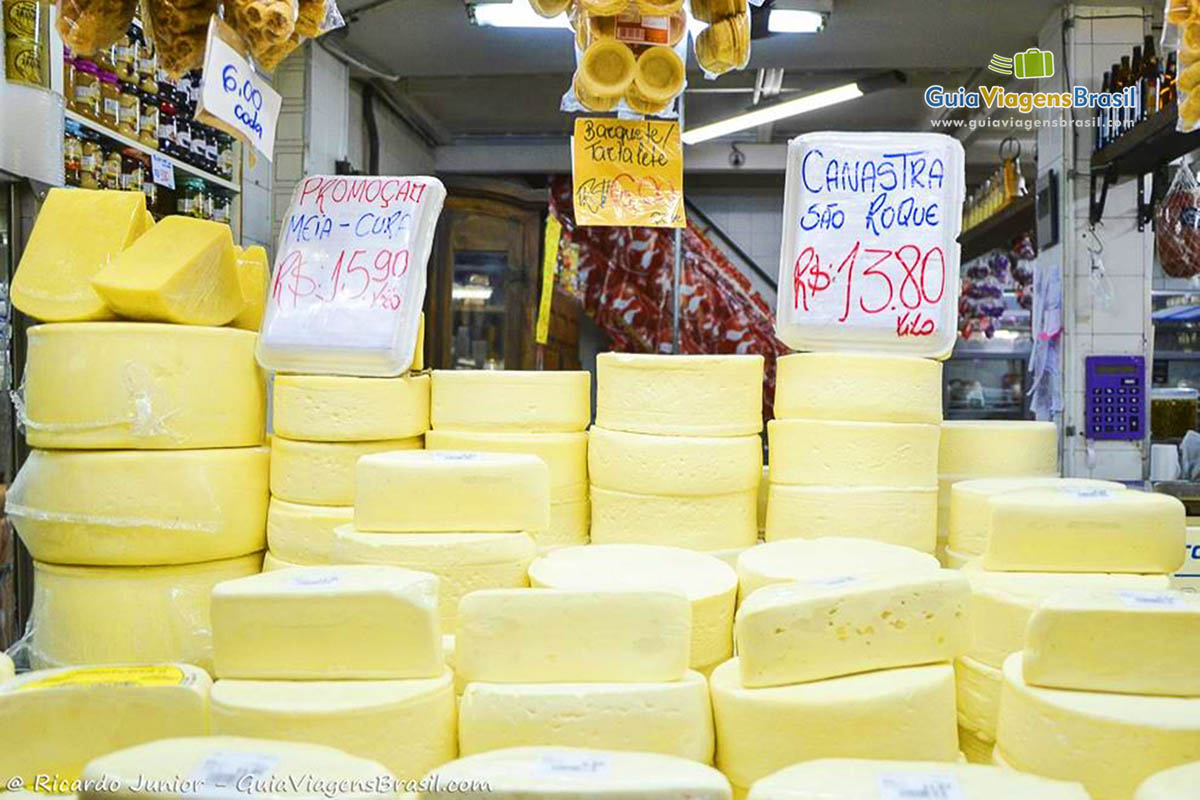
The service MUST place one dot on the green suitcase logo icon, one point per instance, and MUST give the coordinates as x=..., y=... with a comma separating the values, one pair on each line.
x=1033, y=63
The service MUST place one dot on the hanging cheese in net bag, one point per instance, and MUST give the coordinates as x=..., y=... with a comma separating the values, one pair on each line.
x=88, y=26
x=179, y=29
x=1177, y=226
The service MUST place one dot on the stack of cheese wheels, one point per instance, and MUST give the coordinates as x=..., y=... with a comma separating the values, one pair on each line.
x=545, y=414
x=1170, y=783
x=977, y=449
x=854, y=448
x=348, y=656
x=602, y=669
x=675, y=456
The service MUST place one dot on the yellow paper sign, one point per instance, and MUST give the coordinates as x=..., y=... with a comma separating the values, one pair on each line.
x=628, y=172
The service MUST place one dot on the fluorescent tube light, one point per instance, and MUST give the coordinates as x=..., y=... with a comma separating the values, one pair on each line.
x=514, y=15
x=773, y=113
x=789, y=20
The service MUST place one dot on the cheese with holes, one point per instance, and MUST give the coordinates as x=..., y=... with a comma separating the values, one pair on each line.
x=1187, y=577
x=128, y=508
x=303, y=534
x=409, y=726
x=565, y=454
x=576, y=773
x=709, y=584
x=451, y=490
x=566, y=635
x=833, y=453
x=511, y=400
x=669, y=717
x=463, y=562
x=1170, y=784
x=905, y=516
x=77, y=233
x=129, y=385
x=1116, y=641
x=1108, y=742
x=811, y=630
x=1085, y=530
x=570, y=524
x=978, y=696
x=337, y=408
x=323, y=473
x=707, y=522
x=673, y=465
x=53, y=722
x=254, y=273
x=858, y=387
x=122, y=615
x=899, y=714
x=674, y=395
x=6, y=668
x=809, y=560
x=183, y=270
x=998, y=448
x=346, y=622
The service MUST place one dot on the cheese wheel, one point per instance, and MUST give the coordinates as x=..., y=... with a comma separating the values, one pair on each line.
x=565, y=454
x=337, y=408
x=998, y=448
x=123, y=615
x=833, y=453
x=408, y=726
x=975, y=748
x=673, y=465
x=140, y=508
x=826, y=559
x=303, y=534
x=323, y=473
x=1187, y=578
x=570, y=524
x=955, y=560
x=905, y=516
x=1108, y=742
x=1170, y=784
x=7, y=671
x=511, y=400
x=131, y=385
x=53, y=722
x=858, y=387
x=272, y=562
x=978, y=696
x=673, y=395
x=710, y=522
x=669, y=717
x=764, y=485
x=254, y=278
x=899, y=714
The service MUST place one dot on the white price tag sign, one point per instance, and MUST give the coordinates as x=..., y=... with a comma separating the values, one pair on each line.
x=582, y=765
x=919, y=786
x=1133, y=599
x=870, y=255
x=232, y=775
x=162, y=170
x=235, y=94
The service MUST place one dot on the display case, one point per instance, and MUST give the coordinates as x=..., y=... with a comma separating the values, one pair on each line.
x=987, y=380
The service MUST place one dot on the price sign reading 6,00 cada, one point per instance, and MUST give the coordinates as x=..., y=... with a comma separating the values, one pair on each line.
x=870, y=256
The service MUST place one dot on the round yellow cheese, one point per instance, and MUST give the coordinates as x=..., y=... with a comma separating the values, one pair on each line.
x=303, y=534
x=834, y=453
x=710, y=522
x=511, y=400
x=570, y=524
x=978, y=696
x=566, y=454
x=858, y=386
x=337, y=408
x=323, y=473
x=998, y=448
x=975, y=747
x=896, y=515
x=825, y=559
x=272, y=562
x=673, y=465
x=1170, y=784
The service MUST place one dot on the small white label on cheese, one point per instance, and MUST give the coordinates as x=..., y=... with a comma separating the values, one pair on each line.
x=562, y=764
x=230, y=774
x=314, y=580
x=917, y=786
x=1150, y=600
x=841, y=580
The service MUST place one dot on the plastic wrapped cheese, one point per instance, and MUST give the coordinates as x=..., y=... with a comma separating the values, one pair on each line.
x=565, y=454
x=901, y=515
x=998, y=448
x=978, y=687
x=254, y=273
x=834, y=453
x=826, y=559
x=859, y=387
x=324, y=473
x=673, y=465
x=516, y=401
x=331, y=408
x=1170, y=784
x=703, y=522
x=303, y=534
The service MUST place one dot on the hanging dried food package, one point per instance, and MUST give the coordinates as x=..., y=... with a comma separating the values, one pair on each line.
x=1177, y=221
x=179, y=29
x=265, y=25
x=88, y=26
x=317, y=17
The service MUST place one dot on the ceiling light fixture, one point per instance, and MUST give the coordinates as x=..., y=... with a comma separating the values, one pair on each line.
x=787, y=20
x=512, y=15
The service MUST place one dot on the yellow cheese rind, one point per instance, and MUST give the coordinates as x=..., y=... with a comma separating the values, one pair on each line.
x=525, y=401
x=343, y=622
x=978, y=697
x=1170, y=784
x=126, y=508
x=129, y=385
x=273, y=562
x=336, y=408
x=408, y=726
x=668, y=717
x=53, y=722
x=673, y=465
x=254, y=273
x=565, y=454
x=976, y=749
x=323, y=473
x=572, y=635
x=858, y=387
x=826, y=558
x=570, y=524
x=712, y=522
x=835, y=453
x=303, y=534
x=7, y=671
x=124, y=615
x=900, y=515
x=998, y=448
x=899, y=714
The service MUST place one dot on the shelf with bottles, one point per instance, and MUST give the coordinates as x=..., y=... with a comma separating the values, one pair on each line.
x=1005, y=187
x=1151, y=81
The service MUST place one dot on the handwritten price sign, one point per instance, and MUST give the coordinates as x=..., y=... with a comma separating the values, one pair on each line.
x=628, y=172
x=242, y=102
x=870, y=256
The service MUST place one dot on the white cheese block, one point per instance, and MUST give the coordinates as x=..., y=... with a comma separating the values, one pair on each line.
x=570, y=524
x=338, y=408
x=576, y=773
x=906, y=516
x=998, y=448
x=463, y=562
x=673, y=465
x=323, y=473
x=452, y=491
x=815, y=452
x=573, y=635
x=1171, y=784
x=122, y=615
x=979, y=687
x=806, y=631
x=126, y=508
x=7, y=671
x=955, y=560
x=273, y=562
x=1116, y=641
x=669, y=717
x=679, y=395
x=899, y=714
x=303, y=534
x=565, y=454
x=976, y=749
x=861, y=387
x=709, y=584
x=1187, y=577
x=408, y=726
x=1108, y=742
x=708, y=522
x=328, y=623
x=511, y=400
x=826, y=559
x=1085, y=530
x=53, y=722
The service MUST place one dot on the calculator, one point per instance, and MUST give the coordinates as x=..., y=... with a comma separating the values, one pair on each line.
x=1115, y=397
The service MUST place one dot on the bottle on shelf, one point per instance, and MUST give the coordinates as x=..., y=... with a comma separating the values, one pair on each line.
x=1166, y=85
x=1151, y=79
x=1100, y=134
x=1126, y=81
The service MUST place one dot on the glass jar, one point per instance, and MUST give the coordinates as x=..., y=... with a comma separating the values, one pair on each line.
x=148, y=122
x=26, y=42
x=211, y=152
x=147, y=66
x=129, y=111
x=183, y=138
x=1172, y=412
x=166, y=125
x=125, y=57
x=72, y=152
x=111, y=169
x=189, y=197
x=85, y=98
x=110, y=100
x=90, y=161
x=199, y=144
x=225, y=157
x=133, y=170
x=222, y=208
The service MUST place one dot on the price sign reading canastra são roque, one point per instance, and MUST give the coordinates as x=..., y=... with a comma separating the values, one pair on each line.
x=870, y=255
x=628, y=172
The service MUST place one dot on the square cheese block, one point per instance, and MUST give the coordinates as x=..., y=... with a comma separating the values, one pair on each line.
x=339, y=408
x=696, y=522
x=449, y=490
x=77, y=233
x=998, y=448
x=902, y=515
x=572, y=635
x=336, y=622
x=303, y=534
x=1116, y=641
x=860, y=387
x=1085, y=530
x=254, y=273
x=512, y=401
x=323, y=473
x=1170, y=784
x=811, y=560
x=565, y=454
x=817, y=452
x=806, y=631
x=673, y=465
